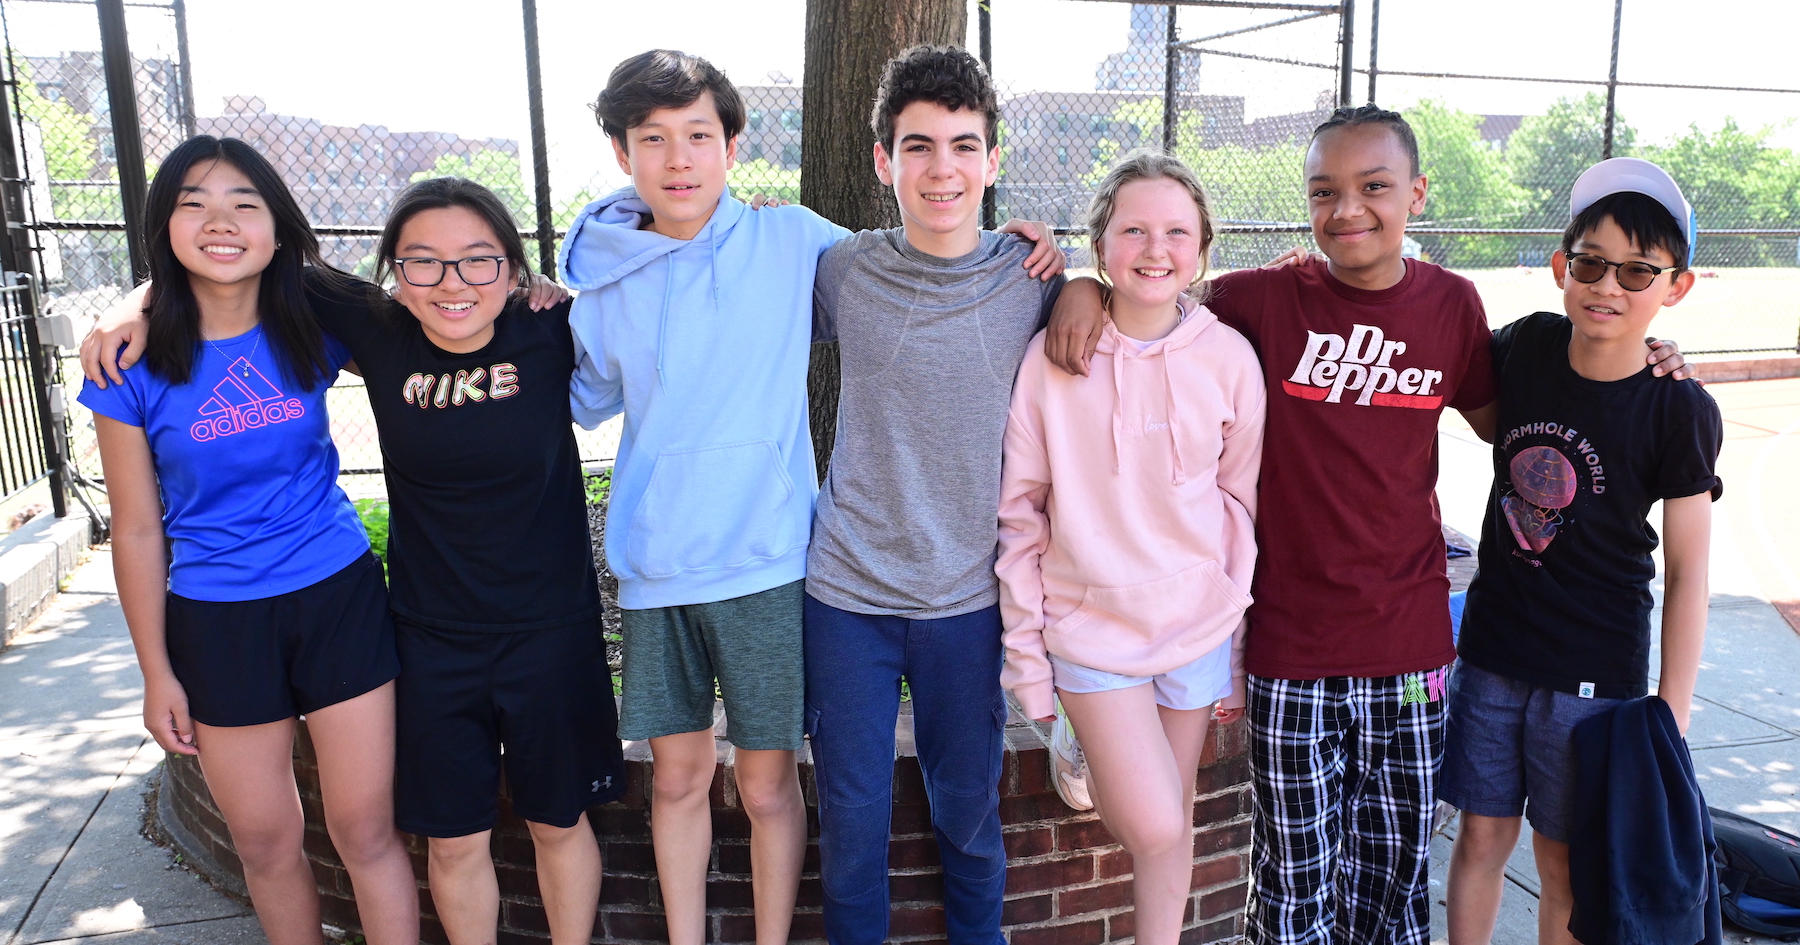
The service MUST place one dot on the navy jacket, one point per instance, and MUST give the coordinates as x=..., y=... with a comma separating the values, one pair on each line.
x=1641, y=848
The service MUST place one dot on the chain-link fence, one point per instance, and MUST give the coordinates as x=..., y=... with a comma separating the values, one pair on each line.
x=1509, y=106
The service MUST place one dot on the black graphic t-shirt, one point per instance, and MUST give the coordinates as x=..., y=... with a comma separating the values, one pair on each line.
x=1562, y=597
x=488, y=528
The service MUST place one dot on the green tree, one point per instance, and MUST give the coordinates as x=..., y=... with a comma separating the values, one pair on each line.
x=494, y=169
x=1245, y=185
x=70, y=149
x=1469, y=186
x=1550, y=150
x=1734, y=179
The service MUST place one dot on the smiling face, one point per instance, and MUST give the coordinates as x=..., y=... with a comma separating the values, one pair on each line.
x=677, y=159
x=1604, y=311
x=221, y=231
x=1151, y=248
x=456, y=316
x=940, y=166
x=1360, y=189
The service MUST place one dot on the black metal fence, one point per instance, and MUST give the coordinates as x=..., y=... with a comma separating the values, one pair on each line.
x=28, y=416
x=99, y=90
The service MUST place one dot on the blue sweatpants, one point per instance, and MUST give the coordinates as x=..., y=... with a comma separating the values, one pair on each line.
x=854, y=664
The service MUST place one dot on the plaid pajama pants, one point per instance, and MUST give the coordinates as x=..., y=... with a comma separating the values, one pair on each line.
x=1343, y=773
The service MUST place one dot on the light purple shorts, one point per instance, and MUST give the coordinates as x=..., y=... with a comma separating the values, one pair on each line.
x=1195, y=685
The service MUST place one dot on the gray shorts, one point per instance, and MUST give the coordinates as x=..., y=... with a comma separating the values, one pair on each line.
x=751, y=645
x=1507, y=741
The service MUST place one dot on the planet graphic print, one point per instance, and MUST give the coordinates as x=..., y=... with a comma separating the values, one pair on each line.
x=1543, y=477
x=1544, y=482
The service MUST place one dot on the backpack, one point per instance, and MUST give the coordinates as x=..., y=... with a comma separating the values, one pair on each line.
x=1759, y=875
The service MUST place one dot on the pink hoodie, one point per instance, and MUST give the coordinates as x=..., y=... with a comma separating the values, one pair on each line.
x=1127, y=506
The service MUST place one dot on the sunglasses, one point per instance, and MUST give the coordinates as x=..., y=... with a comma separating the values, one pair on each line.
x=1633, y=276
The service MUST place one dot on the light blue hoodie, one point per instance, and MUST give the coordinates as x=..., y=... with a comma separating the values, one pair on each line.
x=703, y=345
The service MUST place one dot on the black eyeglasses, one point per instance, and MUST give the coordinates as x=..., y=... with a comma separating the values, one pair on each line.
x=425, y=272
x=1633, y=276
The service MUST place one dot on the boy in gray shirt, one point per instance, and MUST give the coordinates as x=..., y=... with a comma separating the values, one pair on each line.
x=932, y=320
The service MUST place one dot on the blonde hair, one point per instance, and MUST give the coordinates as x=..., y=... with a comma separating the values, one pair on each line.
x=1146, y=164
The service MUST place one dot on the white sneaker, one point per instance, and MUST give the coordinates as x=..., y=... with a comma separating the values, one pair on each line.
x=1068, y=764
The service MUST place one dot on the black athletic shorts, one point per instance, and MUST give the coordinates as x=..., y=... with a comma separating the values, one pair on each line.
x=545, y=695
x=251, y=662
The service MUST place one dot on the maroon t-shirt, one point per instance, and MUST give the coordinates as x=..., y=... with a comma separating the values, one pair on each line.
x=1350, y=577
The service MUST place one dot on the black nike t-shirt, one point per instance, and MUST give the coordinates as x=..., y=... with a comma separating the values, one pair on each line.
x=488, y=520
x=1562, y=597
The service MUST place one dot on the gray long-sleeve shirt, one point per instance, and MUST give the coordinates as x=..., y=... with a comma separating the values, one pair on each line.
x=908, y=515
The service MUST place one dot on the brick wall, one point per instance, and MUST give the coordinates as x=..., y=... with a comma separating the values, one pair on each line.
x=1067, y=882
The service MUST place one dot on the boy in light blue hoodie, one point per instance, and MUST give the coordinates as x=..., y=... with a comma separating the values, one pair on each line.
x=695, y=321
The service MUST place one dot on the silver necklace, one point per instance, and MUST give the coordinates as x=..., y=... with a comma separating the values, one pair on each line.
x=253, y=347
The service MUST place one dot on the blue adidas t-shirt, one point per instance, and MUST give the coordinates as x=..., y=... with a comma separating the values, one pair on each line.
x=247, y=470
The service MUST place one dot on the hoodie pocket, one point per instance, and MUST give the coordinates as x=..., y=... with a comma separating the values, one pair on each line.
x=713, y=509
x=1187, y=605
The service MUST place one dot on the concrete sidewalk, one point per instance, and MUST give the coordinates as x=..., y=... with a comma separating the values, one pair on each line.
x=75, y=769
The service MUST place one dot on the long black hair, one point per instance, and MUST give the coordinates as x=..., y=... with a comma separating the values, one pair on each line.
x=440, y=193
x=288, y=323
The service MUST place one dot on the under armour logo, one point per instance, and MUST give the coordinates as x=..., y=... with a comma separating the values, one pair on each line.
x=604, y=782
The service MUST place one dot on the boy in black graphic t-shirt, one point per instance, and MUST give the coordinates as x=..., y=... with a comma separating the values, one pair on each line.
x=1557, y=624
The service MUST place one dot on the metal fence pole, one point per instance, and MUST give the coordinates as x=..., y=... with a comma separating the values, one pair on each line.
x=20, y=265
x=128, y=137
x=540, y=159
x=1612, y=82
x=1347, y=38
x=1374, y=42
x=1171, y=76
x=186, y=69
x=984, y=31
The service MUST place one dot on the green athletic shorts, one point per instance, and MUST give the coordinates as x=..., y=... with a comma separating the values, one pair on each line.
x=751, y=645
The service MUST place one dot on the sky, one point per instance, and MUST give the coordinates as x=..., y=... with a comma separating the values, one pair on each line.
x=458, y=65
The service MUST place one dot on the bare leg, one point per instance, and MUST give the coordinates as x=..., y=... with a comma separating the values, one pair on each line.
x=250, y=772
x=1141, y=761
x=354, y=741
x=464, y=890
x=1478, y=876
x=681, y=828
x=1555, y=898
x=568, y=871
x=768, y=784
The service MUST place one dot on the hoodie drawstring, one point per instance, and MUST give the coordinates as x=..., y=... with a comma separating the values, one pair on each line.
x=1179, y=474
x=1174, y=430
x=1118, y=417
x=662, y=324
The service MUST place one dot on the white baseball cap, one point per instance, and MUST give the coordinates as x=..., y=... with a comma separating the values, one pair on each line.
x=1637, y=176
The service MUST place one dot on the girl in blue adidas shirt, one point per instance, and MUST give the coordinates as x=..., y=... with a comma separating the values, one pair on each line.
x=268, y=604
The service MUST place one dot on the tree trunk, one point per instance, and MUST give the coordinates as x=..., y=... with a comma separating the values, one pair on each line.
x=848, y=42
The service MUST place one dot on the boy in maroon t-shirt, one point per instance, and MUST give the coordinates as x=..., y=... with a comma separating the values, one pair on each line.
x=1350, y=630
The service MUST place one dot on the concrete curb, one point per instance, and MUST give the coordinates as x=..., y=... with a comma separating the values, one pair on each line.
x=33, y=562
x=1747, y=369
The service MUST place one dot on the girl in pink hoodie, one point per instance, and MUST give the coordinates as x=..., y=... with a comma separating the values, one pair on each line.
x=1127, y=534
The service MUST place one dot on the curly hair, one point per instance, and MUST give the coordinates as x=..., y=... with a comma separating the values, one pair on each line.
x=1372, y=114
x=943, y=75
x=664, y=78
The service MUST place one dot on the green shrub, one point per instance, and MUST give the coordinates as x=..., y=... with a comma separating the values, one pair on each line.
x=374, y=515
x=598, y=486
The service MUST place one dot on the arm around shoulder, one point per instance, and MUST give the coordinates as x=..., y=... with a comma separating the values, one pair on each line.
x=596, y=388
